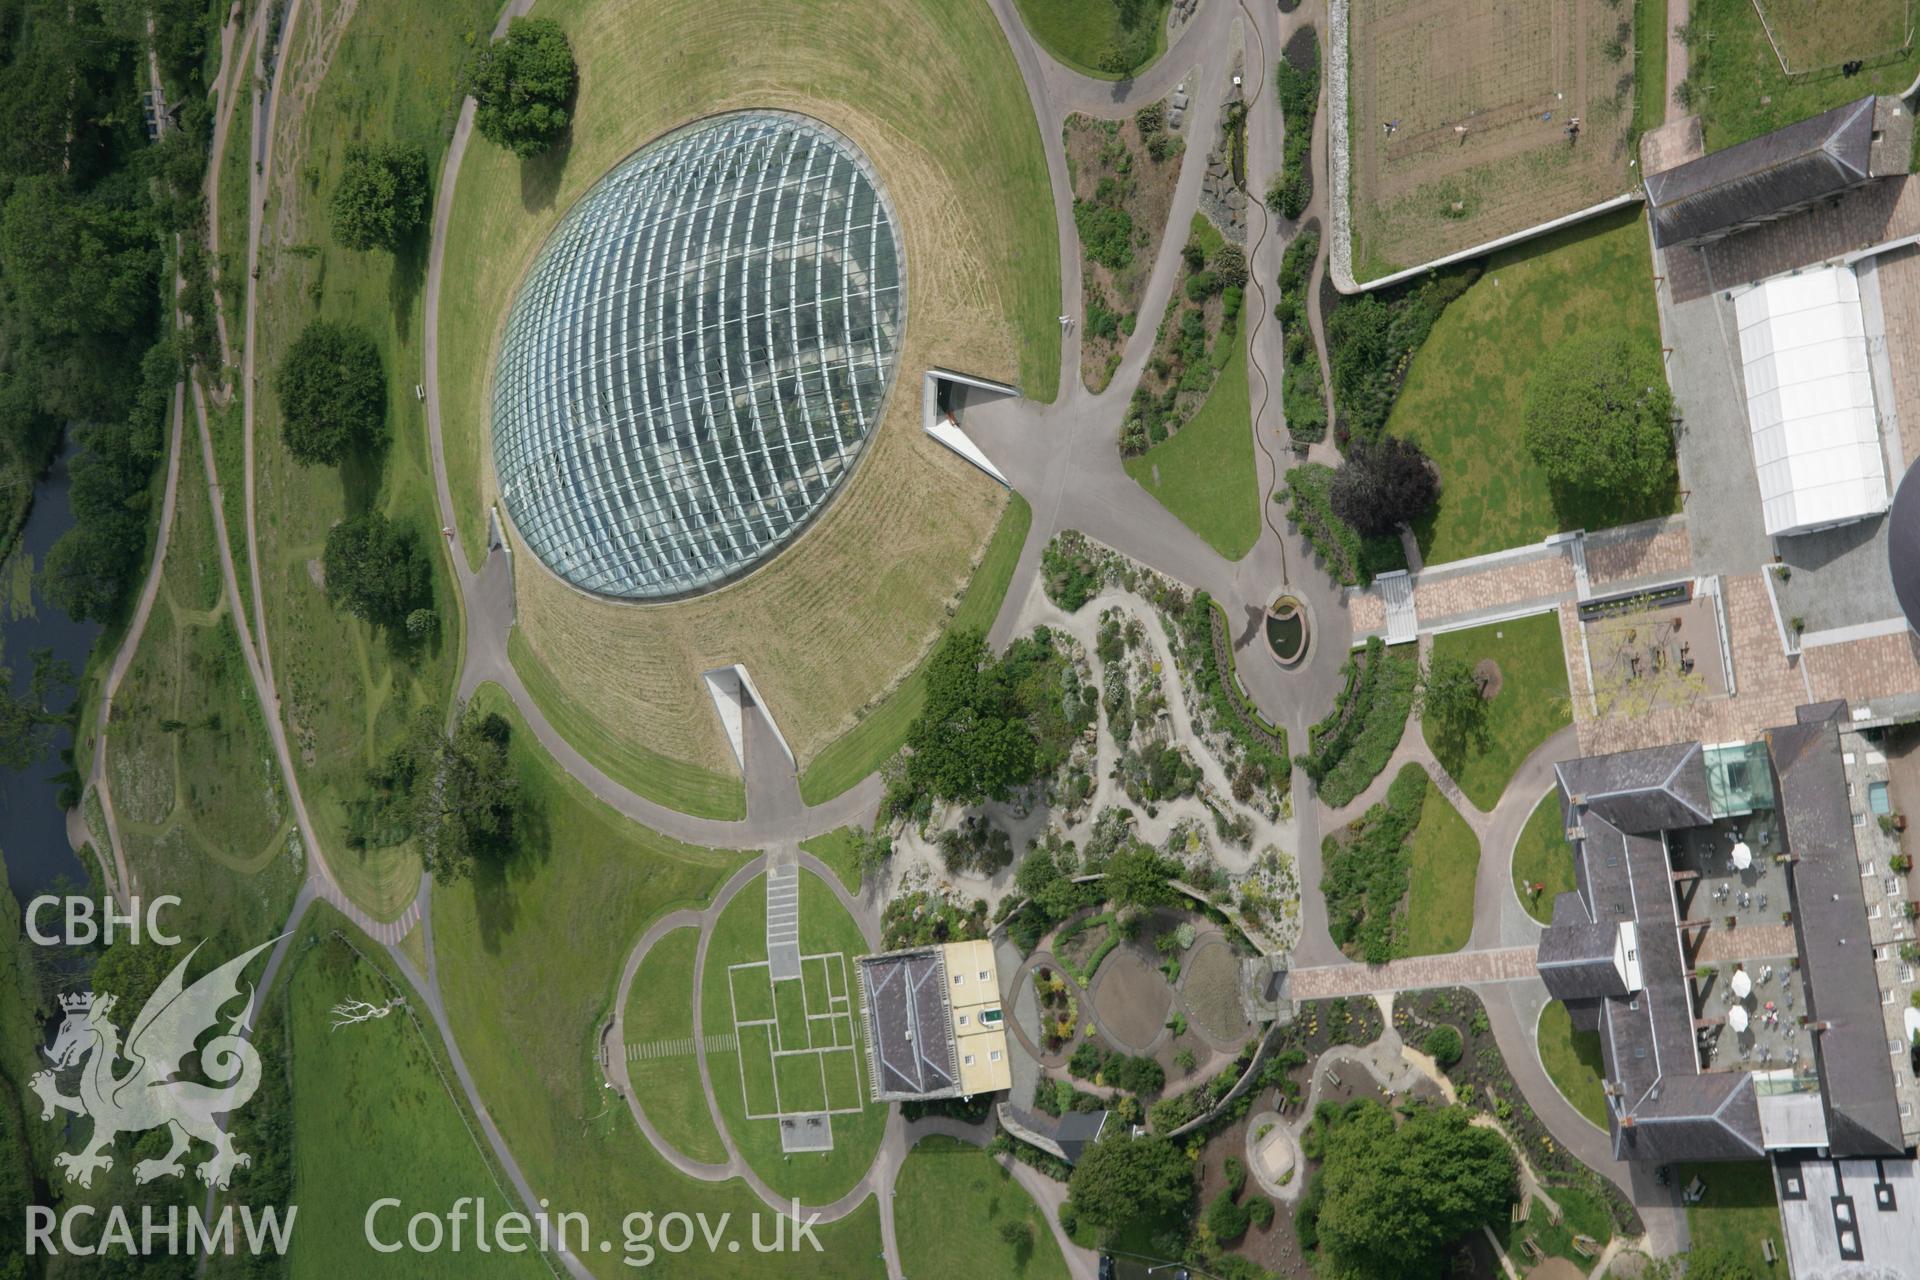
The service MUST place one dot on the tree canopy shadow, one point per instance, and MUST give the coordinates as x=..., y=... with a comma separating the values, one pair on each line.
x=540, y=175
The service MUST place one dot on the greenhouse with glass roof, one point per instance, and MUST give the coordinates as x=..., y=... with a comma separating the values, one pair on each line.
x=698, y=356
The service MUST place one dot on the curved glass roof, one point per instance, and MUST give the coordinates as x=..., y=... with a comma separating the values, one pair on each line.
x=698, y=355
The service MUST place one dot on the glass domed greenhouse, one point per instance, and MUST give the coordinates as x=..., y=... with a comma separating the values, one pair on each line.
x=698, y=356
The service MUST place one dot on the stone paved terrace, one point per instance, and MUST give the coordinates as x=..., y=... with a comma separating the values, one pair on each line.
x=1899, y=276
x=1367, y=611
x=1884, y=210
x=1748, y=942
x=1859, y=670
x=1439, y=593
x=1416, y=973
x=1655, y=549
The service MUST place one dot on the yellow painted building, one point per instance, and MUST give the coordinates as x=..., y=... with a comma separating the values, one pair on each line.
x=979, y=1026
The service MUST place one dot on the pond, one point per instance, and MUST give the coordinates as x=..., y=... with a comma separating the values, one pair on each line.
x=33, y=827
x=1287, y=630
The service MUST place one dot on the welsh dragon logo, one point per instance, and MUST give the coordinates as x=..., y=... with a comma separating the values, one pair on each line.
x=147, y=1095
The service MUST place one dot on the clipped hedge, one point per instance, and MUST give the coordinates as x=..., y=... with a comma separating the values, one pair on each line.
x=1347, y=750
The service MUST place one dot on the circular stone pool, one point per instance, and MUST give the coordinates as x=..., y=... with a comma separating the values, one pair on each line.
x=1286, y=630
x=699, y=355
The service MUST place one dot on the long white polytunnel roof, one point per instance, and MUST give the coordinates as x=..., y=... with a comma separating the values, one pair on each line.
x=1816, y=436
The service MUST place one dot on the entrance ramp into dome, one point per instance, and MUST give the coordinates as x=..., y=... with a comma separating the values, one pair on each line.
x=735, y=698
x=943, y=404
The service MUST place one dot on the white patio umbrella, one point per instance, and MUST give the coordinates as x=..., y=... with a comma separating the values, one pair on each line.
x=1742, y=984
x=1742, y=856
x=1737, y=1018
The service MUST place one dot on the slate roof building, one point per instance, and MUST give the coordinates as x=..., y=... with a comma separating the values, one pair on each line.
x=1779, y=173
x=933, y=1021
x=1701, y=1062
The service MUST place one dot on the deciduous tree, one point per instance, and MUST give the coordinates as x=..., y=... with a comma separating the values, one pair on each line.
x=382, y=197
x=1448, y=699
x=523, y=86
x=376, y=570
x=333, y=393
x=1386, y=482
x=1396, y=1195
x=1599, y=416
x=1122, y=1179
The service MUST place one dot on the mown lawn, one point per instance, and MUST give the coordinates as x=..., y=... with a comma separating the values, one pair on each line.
x=530, y=957
x=1532, y=705
x=836, y=850
x=1444, y=856
x=348, y=695
x=1205, y=472
x=1542, y=856
x=1080, y=32
x=1737, y=1210
x=1751, y=95
x=1466, y=388
x=952, y=1200
x=626, y=759
x=882, y=728
x=740, y=937
x=1649, y=64
x=1572, y=1060
x=660, y=1007
x=1582, y=1214
x=373, y=1116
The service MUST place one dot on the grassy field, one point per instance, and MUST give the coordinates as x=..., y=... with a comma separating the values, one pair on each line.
x=1531, y=707
x=195, y=784
x=1205, y=472
x=659, y=1008
x=952, y=1200
x=373, y=1116
x=1649, y=64
x=1467, y=385
x=1572, y=1060
x=236, y=176
x=529, y=961
x=1737, y=1211
x=846, y=611
x=1079, y=33
x=740, y=937
x=836, y=850
x=387, y=72
x=1444, y=855
x=1542, y=857
x=689, y=788
x=1751, y=95
x=882, y=727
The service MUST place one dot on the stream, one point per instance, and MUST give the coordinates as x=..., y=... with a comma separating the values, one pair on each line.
x=33, y=827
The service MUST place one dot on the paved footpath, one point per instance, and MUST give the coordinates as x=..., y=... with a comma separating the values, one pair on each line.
x=1416, y=973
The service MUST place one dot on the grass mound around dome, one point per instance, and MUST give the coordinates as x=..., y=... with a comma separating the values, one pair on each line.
x=843, y=614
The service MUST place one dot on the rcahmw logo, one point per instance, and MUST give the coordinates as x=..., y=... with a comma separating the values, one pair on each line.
x=147, y=1095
